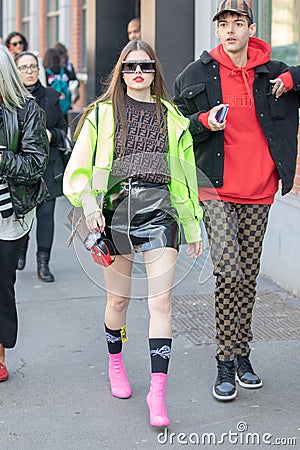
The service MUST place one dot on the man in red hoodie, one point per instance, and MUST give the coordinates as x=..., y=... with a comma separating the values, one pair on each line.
x=240, y=162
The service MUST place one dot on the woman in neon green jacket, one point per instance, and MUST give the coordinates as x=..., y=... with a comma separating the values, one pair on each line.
x=133, y=172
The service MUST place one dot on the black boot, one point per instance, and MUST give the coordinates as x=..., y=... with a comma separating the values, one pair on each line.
x=22, y=257
x=43, y=271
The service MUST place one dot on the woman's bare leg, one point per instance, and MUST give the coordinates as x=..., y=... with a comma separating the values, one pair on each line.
x=160, y=267
x=118, y=285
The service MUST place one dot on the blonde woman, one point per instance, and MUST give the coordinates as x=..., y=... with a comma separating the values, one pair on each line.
x=23, y=159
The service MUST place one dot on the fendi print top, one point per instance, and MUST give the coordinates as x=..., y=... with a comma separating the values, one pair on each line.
x=145, y=154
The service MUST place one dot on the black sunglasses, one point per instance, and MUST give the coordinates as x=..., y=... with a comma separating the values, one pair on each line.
x=14, y=44
x=146, y=66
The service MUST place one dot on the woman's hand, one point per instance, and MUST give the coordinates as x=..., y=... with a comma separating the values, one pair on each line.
x=194, y=250
x=95, y=222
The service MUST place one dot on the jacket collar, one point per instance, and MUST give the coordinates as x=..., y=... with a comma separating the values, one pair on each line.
x=205, y=57
x=262, y=69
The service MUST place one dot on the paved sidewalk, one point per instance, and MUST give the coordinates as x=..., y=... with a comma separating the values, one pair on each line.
x=58, y=398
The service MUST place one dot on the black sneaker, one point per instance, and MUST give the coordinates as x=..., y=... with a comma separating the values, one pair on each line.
x=224, y=388
x=245, y=375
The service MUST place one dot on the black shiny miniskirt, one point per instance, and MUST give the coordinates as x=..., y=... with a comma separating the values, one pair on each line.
x=139, y=217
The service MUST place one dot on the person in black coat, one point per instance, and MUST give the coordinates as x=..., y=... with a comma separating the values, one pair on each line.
x=24, y=149
x=48, y=100
x=240, y=162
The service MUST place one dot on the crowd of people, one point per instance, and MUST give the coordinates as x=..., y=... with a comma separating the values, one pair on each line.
x=32, y=142
x=38, y=75
x=56, y=59
x=141, y=188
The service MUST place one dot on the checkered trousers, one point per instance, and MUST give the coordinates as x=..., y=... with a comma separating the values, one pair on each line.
x=235, y=234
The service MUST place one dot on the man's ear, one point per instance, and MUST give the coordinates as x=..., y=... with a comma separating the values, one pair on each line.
x=252, y=29
x=217, y=32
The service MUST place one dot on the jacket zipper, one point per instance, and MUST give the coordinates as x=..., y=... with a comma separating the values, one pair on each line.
x=127, y=189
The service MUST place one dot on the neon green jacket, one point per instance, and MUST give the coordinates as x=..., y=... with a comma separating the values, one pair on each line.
x=83, y=181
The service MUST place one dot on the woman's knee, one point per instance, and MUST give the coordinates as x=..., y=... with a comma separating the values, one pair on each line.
x=160, y=304
x=117, y=303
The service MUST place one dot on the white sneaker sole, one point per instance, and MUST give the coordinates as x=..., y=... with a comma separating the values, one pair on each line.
x=248, y=386
x=223, y=398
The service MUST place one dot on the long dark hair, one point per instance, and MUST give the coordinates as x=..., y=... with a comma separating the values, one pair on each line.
x=63, y=53
x=13, y=34
x=116, y=87
x=51, y=58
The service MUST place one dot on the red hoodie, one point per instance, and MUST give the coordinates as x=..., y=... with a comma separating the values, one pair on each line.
x=250, y=175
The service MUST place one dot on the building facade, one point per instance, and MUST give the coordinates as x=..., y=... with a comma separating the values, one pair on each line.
x=94, y=31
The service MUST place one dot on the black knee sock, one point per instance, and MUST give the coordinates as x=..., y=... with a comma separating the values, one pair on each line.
x=160, y=352
x=114, y=340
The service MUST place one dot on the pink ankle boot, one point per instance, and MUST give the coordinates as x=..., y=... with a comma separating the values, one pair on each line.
x=156, y=401
x=119, y=384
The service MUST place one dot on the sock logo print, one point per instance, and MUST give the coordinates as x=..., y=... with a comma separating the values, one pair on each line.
x=164, y=352
x=112, y=339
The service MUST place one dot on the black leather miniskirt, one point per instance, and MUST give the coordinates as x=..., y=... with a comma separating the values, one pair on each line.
x=139, y=217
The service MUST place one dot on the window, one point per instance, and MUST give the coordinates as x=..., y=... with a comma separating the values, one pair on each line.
x=278, y=25
x=52, y=5
x=52, y=22
x=26, y=19
x=284, y=30
x=83, y=48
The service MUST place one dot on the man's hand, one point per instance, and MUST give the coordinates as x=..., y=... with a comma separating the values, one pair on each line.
x=278, y=88
x=213, y=124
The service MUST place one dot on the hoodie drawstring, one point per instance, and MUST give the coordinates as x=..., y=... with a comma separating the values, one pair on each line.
x=245, y=76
